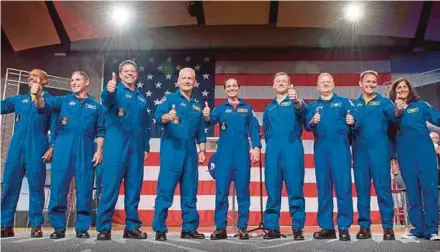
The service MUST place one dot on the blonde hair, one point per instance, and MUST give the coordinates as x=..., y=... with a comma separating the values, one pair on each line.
x=281, y=73
x=127, y=62
x=368, y=72
x=83, y=74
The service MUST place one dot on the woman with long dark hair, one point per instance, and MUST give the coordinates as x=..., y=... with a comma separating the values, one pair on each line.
x=416, y=157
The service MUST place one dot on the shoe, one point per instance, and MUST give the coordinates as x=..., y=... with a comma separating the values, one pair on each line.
x=243, y=234
x=409, y=236
x=364, y=233
x=7, y=232
x=58, y=235
x=434, y=237
x=388, y=235
x=36, y=232
x=219, y=234
x=82, y=234
x=161, y=236
x=298, y=235
x=192, y=235
x=272, y=234
x=135, y=234
x=324, y=234
x=104, y=236
x=344, y=235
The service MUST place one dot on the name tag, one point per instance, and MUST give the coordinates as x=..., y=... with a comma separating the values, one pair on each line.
x=412, y=110
x=336, y=105
x=374, y=103
x=242, y=110
x=196, y=107
x=286, y=103
x=25, y=100
x=228, y=111
x=128, y=96
x=90, y=106
x=72, y=103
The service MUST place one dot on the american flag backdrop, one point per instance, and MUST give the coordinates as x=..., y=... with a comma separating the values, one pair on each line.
x=254, y=71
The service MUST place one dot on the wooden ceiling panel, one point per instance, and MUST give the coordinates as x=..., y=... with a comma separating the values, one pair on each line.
x=28, y=25
x=236, y=13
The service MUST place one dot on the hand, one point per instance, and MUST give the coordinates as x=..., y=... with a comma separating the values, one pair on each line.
x=97, y=158
x=316, y=118
x=255, y=155
x=292, y=94
x=36, y=88
x=394, y=167
x=145, y=156
x=400, y=104
x=47, y=157
x=349, y=118
x=171, y=115
x=202, y=157
x=111, y=84
x=206, y=111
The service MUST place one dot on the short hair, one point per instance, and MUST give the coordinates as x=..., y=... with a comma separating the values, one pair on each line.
x=187, y=69
x=412, y=96
x=322, y=74
x=230, y=78
x=432, y=134
x=83, y=74
x=127, y=62
x=368, y=72
x=281, y=73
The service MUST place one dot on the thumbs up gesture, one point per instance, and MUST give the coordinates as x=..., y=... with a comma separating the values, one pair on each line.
x=206, y=111
x=292, y=94
x=349, y=118
x=111, y=84
x=400, y=104
x=316, y=118
x=173, y=114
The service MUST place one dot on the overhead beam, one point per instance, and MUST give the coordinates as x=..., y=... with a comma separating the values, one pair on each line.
x=273, y=12
x=59, y=27
x=423, y=24
x=195, y=9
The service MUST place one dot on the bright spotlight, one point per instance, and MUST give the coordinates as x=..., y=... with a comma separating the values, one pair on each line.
x=353, y=12
x=120, y=15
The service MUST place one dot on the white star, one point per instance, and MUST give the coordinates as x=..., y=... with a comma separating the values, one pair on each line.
x=168, y=76
x=140, y=85
x=197, y=67
x=158, y=85
x=167, y=92
x=115, y=61
x=207, y=59
x=206, y=76
x=176, y=84
x=197, y=84
x=156, y=102
x=160, y=68
x=141, y=68
x=151, y=60
x=169, y=59
x=187, y=59
x=148, y=93
x=205, y=93
x=178, y=67
x=149, y=111
x=150, y=77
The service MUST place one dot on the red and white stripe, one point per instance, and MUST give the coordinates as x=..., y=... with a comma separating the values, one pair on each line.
x=255, y=77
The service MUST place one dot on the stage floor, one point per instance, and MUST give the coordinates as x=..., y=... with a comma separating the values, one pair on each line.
x=22, y=242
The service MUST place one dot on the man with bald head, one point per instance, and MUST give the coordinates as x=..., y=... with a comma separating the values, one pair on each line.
x=181, y=117
x=29, y=150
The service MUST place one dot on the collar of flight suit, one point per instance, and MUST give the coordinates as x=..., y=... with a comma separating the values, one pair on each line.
x=274, y=100
x=122, y=85
x=240, y=102
x=334, y=97
x=376, y=97
x=191, y=99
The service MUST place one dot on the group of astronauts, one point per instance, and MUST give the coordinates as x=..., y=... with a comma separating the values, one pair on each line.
x=383, y=132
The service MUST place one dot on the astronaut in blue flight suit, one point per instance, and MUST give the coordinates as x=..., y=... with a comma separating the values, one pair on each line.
x=417, y=159
x=371, y=155
x=125, y=149
x=80, y=120
x=282, y=122
x=330, y=118
x=237, y=123
x=181, y=117
x=29, y=150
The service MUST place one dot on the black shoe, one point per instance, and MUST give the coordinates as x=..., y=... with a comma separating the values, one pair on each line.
x=344, y=235
x=82, y=234
x=219, y=234
x=364, y=233
x=161, y=236
x=298, y=235
x=36, y=232
x=324, y=234
x=135, y=234
x=243, y=234
x=192, y=235
x=7, y=232
x=104, y=236
x=58, y=235
x=388, y=235
x=272, y=234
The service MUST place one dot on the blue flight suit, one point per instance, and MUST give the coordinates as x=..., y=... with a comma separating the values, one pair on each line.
x=332, y=159
x=127, y=138
x=284, y=161
x=417, y=162
x=28, y=145
x=371, y=158
x=79, y=123
x=233, y=161
x=178, y=160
